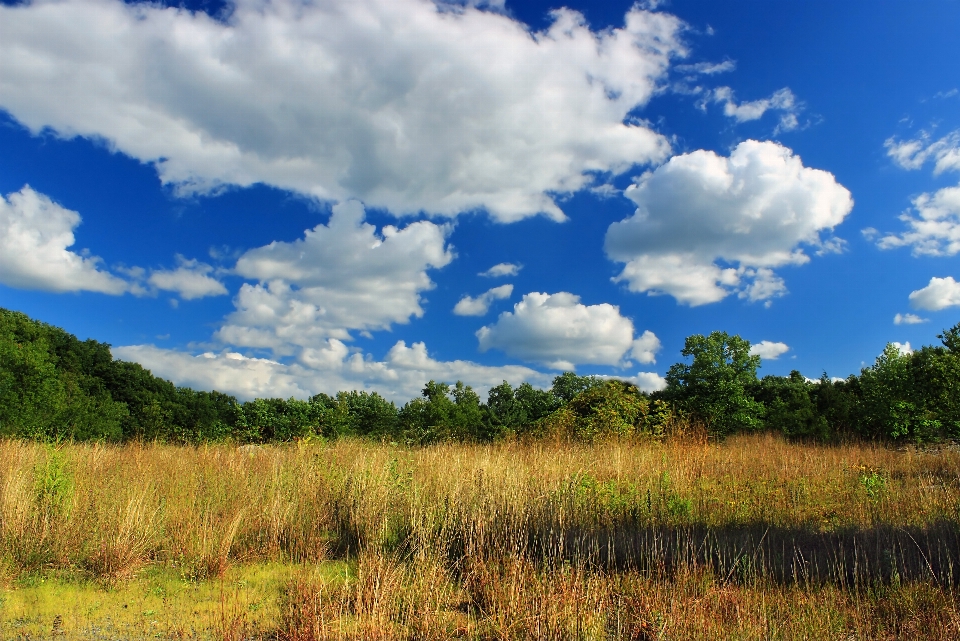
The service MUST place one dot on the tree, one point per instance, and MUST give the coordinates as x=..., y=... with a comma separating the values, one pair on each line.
x=714, y=386
x=437, y=417
x=517, y=410
x=609, y=409
x=567, y=385
x=789, y=406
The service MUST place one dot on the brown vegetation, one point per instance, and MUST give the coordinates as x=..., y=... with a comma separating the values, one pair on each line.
x=682, y=539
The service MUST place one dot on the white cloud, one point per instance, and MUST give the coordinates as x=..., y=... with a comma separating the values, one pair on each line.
x=329, y=368
x=708, y=68
x=502, y=269
x=35, y=234
x=939, y=293
x=903, y=348
x=646, y=381
x=933, y=223
x=341, y=276
x=781, y=100
x=913, y=154
x=908, y=319
x=469, y=306
x=191, y=279
x=769, y=350
x=645, y=348
x=560, y=332
x=409, y=105
x=707, y=226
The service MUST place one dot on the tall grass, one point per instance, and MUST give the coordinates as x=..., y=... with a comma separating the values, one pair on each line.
x=676, y=539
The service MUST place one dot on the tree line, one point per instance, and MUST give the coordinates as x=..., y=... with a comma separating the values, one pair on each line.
x=54, y=386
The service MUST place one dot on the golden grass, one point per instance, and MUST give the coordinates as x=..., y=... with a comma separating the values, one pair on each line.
x=750, y=538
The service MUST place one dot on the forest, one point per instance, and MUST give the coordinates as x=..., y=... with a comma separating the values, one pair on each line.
x=55, y=387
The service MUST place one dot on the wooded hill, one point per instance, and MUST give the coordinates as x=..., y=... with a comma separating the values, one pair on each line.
x=54, y=386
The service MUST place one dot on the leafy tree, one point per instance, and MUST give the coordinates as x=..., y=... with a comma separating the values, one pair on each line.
x=517, y=410
x=838, y=402
x=789, y=407
x=368, y=414
x=442, y=414
x=613, y=408
x=567, y=385
x=913, y=396
x=889, y=406
x=45, y=392
x=714, y=387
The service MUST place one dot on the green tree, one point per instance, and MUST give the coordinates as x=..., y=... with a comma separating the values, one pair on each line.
x=517, y=410
x=368, y=414
x=567, y=385
x=442, y=414
x=789, y=406
x=609, y=409
x=714, y=387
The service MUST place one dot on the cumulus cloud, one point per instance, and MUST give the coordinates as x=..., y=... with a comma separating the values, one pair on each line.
x=645, y=348
x=707, y=226
x=408, y=105
x=908, y=319
x=329, y=368
x=769, y=350
x=469, y=306
x=903, y=348
x=191, y=279
x=559, y=331
x=339, y=277
x=933, y=223
x=35, y=236
x=781, y=100
x=502, y=269
x=939, y=293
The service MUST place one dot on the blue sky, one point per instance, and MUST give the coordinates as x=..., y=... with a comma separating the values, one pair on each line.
x=283, y=198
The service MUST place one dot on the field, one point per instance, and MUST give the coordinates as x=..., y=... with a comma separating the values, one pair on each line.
x=751, y=538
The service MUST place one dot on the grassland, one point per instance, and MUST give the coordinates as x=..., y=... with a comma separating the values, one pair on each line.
x=752, y=538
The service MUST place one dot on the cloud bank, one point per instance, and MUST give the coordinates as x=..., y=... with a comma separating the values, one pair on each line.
x=707, y=226
x=400, y=376
x=408, y=105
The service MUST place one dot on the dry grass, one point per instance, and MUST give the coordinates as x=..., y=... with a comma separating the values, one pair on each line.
x=751, y=538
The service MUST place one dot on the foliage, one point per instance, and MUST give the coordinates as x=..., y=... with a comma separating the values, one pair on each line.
x=788, y=406
x=442, y=414
x=714, y=387
x=609, y=409
x=913, y=396
x=55, y=387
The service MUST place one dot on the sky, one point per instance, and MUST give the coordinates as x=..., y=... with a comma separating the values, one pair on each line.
x=277, y=198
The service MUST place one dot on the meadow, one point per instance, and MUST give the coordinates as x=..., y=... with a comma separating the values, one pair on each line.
x=752, y=537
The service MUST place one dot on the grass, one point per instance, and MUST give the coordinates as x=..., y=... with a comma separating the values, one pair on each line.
x=751, y=538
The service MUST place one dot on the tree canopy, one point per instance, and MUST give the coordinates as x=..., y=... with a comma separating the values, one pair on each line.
x=54, y=386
